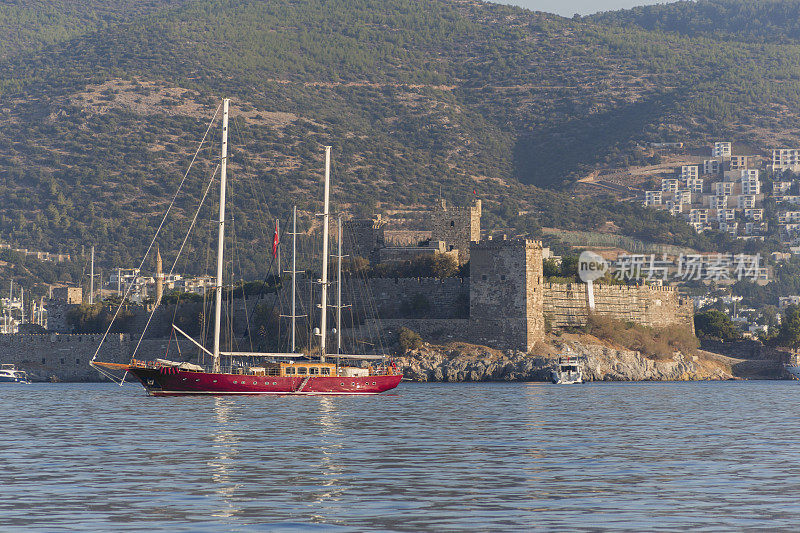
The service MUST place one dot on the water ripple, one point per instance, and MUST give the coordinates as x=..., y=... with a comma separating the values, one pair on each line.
x=436, y=457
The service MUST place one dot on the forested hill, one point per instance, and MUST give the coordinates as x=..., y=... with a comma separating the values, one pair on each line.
x=103, y=103
x=773, y=21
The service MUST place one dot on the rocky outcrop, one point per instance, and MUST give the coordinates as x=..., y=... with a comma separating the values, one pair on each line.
x=461, y=362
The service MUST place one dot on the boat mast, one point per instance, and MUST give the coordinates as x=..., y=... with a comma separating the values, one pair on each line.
x=323, y=311
x=91, y=281
x=221, y=239
x=339, y=294
x=294, y=316
x=294, y=275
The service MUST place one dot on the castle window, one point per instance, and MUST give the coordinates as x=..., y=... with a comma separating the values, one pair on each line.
x=503, y=277
x=77, y=361
x=62, y=360
x=44, y=361
x=452, y=223
x=483, y=277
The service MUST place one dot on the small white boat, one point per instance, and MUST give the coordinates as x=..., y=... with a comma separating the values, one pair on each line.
x=569, y=370
x=10, y=374
x=794, y=370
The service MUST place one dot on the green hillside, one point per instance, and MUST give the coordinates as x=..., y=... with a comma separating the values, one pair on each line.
x=104, y=103
x=773, y=21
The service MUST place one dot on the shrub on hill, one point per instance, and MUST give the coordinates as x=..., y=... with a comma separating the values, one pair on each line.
x=656, y=343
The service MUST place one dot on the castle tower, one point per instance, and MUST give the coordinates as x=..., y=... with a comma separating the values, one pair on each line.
x=457, y=227
x=506, y=295
x=364, y=237
x=159, y=277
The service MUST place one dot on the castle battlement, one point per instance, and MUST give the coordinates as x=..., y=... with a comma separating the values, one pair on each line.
x=613, y=288
x=364, y=223
x=424, y=280
x=499, y=244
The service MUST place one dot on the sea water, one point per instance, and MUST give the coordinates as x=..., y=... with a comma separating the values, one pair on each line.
x=425, y=457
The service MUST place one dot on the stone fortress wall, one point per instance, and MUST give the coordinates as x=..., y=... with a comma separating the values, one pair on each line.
x=66, y=357
x=566, y=305
x=445, y=298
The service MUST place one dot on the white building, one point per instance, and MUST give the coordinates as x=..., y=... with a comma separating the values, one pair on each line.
x=788, y=199
x=726, y=215
x=652, y=198
x=683, y=196
x=723, y=188
x=669, y=185
x=781, y=187
x=729, y=227
x=751, y=186
x=695, y=185
x=675, y=208
x=712, y=166
x=698, y=226
x=755, y=228
x=754, y=214
x=739, y=162
x=791, y=228
x=788, y=217
x=698, y=216
x=689, y=172
x=746, y=201
x=718, y=202
x=721, y=149
x=786, y=159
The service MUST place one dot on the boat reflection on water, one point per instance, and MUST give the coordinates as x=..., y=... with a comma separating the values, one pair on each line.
x=225, y=451
x=332, y=438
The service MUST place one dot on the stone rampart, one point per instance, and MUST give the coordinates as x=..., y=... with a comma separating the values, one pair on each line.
x=66, y=357
x=420, y=297
x=566, y=305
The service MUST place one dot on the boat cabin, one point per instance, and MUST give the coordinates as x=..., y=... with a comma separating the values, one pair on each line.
x=303, y=369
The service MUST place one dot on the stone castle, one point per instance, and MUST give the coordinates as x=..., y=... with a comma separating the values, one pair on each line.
x=505, y=300
x=453, y=229
x=504, y=303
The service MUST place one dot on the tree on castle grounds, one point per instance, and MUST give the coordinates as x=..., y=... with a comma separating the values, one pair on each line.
x=715, y=324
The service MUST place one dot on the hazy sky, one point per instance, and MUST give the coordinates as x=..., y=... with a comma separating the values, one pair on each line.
x=567, y=8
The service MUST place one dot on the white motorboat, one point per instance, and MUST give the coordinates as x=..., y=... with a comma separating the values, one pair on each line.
x=569, y=369
x=10, y=374
x=794, y=370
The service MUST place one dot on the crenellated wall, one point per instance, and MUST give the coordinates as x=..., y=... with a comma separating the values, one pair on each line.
x=567, y=304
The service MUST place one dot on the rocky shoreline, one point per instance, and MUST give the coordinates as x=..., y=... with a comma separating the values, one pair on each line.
x=459, y=362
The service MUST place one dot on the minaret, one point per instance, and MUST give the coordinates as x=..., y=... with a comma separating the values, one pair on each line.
x=159, y=277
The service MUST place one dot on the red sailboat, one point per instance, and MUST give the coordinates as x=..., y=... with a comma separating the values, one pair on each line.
x=264, y=373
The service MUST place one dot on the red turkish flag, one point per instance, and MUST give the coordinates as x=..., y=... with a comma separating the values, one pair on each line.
x=275, y=241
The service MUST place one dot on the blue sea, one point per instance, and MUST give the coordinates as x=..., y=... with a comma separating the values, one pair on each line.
x=426, y=457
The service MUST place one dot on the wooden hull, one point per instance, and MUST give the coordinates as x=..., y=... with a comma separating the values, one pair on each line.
x=167, y=381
